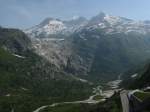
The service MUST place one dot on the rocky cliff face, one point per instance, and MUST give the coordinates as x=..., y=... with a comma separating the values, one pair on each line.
x=101, y=47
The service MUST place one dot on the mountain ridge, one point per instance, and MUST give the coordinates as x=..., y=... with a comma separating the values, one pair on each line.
x=91, y=47
x=111, y=24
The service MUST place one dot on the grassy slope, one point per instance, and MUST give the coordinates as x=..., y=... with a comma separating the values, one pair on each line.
x=17, y=73
x=142, y=95
x=111, y=105
x=26, y=84
x=142, y=79
x=69, y=108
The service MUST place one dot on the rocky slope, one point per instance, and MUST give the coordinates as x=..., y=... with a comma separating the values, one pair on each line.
x=99, y=48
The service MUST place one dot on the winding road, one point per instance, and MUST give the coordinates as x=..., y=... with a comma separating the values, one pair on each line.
x=125, y=101
x=89, y=100
x=105, y=94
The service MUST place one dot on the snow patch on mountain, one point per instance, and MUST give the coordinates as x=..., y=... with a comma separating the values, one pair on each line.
x=102, y=25
x=112, y=19
x=53, y=27
x=110, y=25
x=19, y=56
x=134, y=75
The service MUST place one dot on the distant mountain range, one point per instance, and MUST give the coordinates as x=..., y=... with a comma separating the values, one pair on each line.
x=110, y=24
x=97, y=47
x=54, y=26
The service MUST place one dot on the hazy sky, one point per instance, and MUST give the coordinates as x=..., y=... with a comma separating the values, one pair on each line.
x=26, y=13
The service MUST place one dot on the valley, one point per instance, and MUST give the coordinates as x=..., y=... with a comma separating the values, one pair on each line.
x=91, y=100
x=74, y=65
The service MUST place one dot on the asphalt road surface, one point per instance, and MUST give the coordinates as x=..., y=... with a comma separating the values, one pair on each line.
x=125, y=101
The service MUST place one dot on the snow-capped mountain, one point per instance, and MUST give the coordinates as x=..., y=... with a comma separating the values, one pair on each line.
x=54, y=26
x=108, y=23
x=48, y=26
x=81, y=46
x=115, y=24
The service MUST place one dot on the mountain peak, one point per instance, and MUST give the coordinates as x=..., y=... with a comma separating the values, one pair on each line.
x=79, y=18
x=47, y=20
x=97, y=19
x=101, y=14
x=110, y=24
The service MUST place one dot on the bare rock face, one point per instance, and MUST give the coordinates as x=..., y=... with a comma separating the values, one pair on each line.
x=101, y=47
x=57, y=51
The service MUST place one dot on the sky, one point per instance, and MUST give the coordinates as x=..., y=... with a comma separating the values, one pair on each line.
x=26, y=13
